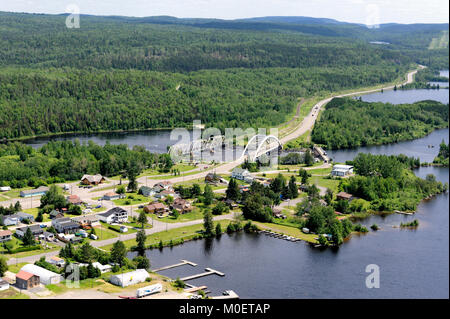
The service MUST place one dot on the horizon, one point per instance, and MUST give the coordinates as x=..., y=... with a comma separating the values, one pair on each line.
x=349, y=11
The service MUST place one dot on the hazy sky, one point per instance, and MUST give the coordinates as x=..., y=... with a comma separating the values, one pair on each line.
x=360, y=11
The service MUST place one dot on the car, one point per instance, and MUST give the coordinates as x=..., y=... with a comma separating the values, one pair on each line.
x=98, y=206
x=141, y=206
x=43, y=226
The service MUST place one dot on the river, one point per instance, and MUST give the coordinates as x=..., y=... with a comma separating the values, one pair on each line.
x=412, y=263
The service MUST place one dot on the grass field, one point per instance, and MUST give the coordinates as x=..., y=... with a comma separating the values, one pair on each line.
x=193, y=215
x=136, y=199
x=12, y=294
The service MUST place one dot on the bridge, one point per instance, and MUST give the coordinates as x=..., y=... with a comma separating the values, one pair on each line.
x=258, y=145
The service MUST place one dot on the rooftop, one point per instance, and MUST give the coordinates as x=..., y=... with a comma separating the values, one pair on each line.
x=24, y=275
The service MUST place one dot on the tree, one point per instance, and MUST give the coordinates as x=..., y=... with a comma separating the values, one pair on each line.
x=208, y=195
x=218, y=229
x=53, y=197
x=3, y=266
x=140, y=239
x=142, y=219
x=208, y=224
x=118, y=253
x=309, y=158
x=232, y=191
x=313, y=191
x=86, y=253
x=304, y=175
x=28, y=238
x=141, y=262
x=120, y=189
x=39, y=217
x=293, y=190
x=196, y=190
x=328, y=196
x=175, y=214
x=220, y=208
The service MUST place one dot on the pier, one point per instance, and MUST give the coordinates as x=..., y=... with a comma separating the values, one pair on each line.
x=280, y=236
x=194, y=289
x=208, y=271
x=231, y=295
x=183, y=262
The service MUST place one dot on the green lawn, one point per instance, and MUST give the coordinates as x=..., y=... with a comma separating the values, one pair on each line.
x=172, y=234
x=137, y=199
x=325, y=182
x=103, y=233
x=288, y=230
x=195, y=214
x=16, y=268
x=34, y=212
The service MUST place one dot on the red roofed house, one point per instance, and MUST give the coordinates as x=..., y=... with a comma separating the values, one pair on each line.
x=74, y=200
x=25, y=280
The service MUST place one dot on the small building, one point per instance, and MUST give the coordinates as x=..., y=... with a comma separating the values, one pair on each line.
x=56, y=214
x=342, y=170
x=10, y=220
x=213, y=178
x=344, y=196
x=166, y=193
x=87, y=221
x=147, y=191
x=114, y=215
x=26, y=280
x=5, y=235
x=182, y=205
x=165, y=185
x=42, y=190
x=243, y=188
x=46, y=277
x=231, y=204
x=156, y=208
x=36, y=230
x=102, y=268
x=129, y=278
x=5, y=188
x=55, y=260
x=111, y=196
x=92, y=179
x=74, y=200
x=4, y=285
x=49, y=236
x=65, y=225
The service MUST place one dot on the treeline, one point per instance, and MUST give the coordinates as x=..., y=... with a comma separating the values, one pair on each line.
x=443, y=154
x=21, y=165
x=36, y=102
x=388, y=183
x=348, y=123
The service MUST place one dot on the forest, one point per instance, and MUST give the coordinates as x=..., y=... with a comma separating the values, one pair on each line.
x=343, y=124
x=21, y=165
x=388, y=183
x=119, y=73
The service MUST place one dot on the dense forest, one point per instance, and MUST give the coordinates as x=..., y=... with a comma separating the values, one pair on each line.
x=443, y=155
x=347, y=122
x=21, y=165
x=119, y=73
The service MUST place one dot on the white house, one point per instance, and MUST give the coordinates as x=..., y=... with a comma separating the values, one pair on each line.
x=55, y=260
x=4, y=285
x=102, y=268
x=65, y=225
x=342, y=170
x=47, y=277
x=9, y=220
x=114, y=215
x=241, y=174
x=5, y=188
x=129, y=278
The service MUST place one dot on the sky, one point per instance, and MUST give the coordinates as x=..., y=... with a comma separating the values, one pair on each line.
x=369, y=12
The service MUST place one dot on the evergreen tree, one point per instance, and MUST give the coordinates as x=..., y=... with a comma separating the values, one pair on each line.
x=208, y=224
x=28, y=238
x=232, y=191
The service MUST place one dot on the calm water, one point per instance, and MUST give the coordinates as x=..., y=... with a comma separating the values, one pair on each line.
x=408, y=96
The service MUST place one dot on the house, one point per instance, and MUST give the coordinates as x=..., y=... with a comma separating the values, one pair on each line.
x=74, y=200
x=165, y=185
x=156, y=208
x=129, y=278
x=49, y=236
x=56, y=214
x=166, y=193
x=147, y=191
x=214, y=178
x=92, y=179
x=87, y=221
x=5, y=235
x=42, y=190
x=36, y=230
x=45, y=276
x=344, y=196
x=24, y=216
x=342, y=170
x=102, y=268
x=243, y=188
x=9, y=220
x=123, y=229
x=111, y=196
x=114, y=215
x=65, y=225
x=240, y=173
x=26, y=280
x=5, y=188
x=55, y=260
x=4, y=285
x=182, y=205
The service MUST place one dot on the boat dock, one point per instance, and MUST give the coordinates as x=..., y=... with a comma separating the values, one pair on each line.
x=194, y=289
x=208, y=271
x=183, y=262
x=231, y=295
x=280, y=236
x=403, y=213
